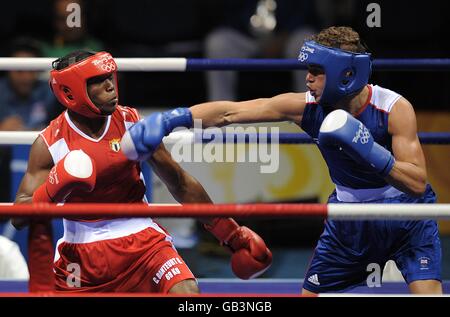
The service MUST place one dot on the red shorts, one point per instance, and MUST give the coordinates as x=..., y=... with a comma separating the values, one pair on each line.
x=145, y=261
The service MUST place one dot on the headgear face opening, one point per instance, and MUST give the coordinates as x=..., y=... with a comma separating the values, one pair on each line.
x=346, y=72
x=70, y=84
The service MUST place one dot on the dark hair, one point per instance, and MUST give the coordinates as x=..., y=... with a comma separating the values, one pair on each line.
x=342, y=37
x=25, y=44
x=71, y=58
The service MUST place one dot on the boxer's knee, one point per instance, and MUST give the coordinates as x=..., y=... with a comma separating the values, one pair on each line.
x=426, y=287
x=185, y=287
x=305, y=292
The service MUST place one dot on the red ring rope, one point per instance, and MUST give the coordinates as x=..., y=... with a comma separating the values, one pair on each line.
x=142, y=210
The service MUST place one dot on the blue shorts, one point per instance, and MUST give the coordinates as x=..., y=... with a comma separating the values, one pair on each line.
x=346, y=249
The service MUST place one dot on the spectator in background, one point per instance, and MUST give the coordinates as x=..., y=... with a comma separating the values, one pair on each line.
x=67, y=39
x=337, y=12
x=26, y=103
x=258, y=29
x=12, y=263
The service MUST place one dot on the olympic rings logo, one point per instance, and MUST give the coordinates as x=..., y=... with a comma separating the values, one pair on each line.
x=366, y=136
x=362, y=135
x=108, y=67
x=53, y=176
x=106, y=63
x=302, y=56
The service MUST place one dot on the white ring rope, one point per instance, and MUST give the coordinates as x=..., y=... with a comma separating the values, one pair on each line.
x=18, y=137
x=388, y=211
x=28, y=137
x=124, y=64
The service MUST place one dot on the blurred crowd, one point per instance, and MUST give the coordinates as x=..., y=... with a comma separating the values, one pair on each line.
x=202, y=28
x=207, y=29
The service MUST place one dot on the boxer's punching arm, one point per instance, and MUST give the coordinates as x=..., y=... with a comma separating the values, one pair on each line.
x=40, y=163
x=284, y=107
x=251, y=257
x=409, y=172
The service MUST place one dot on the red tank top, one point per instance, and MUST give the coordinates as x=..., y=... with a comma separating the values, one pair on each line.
x=118, y=179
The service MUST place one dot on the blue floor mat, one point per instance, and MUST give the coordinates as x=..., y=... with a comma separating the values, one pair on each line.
x=258, y=286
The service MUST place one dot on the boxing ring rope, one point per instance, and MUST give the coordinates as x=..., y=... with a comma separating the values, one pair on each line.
x=28, y=137
x=262, y=210
x=200, y=64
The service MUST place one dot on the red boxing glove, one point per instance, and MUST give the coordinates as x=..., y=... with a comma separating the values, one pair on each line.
x=251, y=257
x=75, y=171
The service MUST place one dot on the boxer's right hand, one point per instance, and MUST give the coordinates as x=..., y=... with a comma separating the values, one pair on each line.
x=144, y=137
x=340, y=128
x=251, y=257
x=76, y=171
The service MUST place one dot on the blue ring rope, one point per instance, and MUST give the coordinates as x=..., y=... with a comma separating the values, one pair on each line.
x=303, y=138
x=202, y=64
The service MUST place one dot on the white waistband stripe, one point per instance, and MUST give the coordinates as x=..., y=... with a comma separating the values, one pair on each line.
x=351, y=195
x=85, y=232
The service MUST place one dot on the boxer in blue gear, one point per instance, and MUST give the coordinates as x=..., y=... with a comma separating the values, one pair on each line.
x=368, y=137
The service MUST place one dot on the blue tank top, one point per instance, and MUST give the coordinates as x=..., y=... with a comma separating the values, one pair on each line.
x=344, y=171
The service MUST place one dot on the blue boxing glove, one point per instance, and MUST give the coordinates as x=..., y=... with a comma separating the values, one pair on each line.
x=339, y=128
x=143, y=138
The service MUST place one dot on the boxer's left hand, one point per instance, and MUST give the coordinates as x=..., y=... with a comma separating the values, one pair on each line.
x=143, y=138
x=339, y=128
x=251, y=257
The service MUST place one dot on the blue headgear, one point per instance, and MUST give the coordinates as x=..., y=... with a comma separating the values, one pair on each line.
x=346, y=72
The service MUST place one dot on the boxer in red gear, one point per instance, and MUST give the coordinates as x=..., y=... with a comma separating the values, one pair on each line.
x=77, y=158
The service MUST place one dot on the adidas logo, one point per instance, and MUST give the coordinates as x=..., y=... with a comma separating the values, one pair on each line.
x=314, y=279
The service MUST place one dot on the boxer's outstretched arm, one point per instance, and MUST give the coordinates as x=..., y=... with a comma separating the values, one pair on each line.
x=39, y=165
x=144, y=137
x=409, y=173
x=284, y=107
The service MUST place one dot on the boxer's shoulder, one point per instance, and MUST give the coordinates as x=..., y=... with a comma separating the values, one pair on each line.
x=127, y=114
x=55, y=130
x=382, y=98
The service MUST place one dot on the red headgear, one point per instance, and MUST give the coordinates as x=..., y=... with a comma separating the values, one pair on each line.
x=70, y=84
